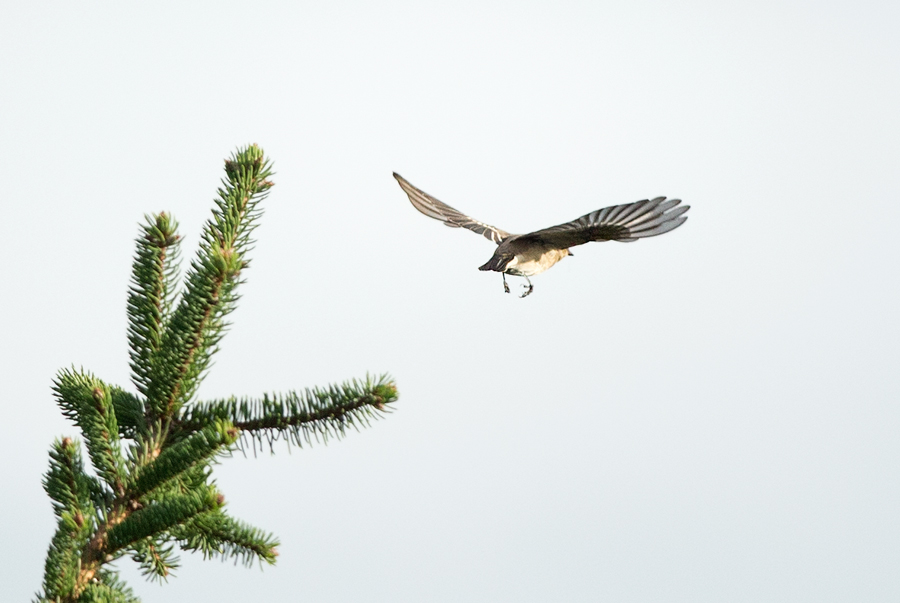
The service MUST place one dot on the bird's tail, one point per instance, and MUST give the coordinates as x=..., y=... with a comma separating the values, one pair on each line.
x=497, y=263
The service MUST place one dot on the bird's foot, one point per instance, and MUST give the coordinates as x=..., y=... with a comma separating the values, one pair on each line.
x=528, y=289
x=505, y=286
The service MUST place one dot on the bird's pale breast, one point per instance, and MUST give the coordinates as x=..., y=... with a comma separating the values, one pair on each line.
x=534, y=260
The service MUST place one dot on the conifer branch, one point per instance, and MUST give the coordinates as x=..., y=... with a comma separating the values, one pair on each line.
x=62, y=569
x=218, y=535
x=87, y=402
x=154, y=273
x=197, y=324
x=313, y=415
x=156, y=559
x=67, y=484
x=107, y=589
x=195, y=450
x=161, y=516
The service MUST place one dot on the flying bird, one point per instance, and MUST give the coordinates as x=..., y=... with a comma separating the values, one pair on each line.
x=529, y=254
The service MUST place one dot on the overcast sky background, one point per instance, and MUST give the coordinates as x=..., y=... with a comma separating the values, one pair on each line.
x=711, y=415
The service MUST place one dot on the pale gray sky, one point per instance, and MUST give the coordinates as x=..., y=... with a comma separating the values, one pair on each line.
x=707, y=416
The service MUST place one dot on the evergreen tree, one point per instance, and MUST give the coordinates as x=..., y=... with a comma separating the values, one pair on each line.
x=151, y=490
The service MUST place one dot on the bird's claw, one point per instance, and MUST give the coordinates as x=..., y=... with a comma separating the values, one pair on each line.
x=528, y=290
x=505, y=287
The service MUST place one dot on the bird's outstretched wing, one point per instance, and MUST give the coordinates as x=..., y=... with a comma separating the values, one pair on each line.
x=433, y=208
x=629, y=222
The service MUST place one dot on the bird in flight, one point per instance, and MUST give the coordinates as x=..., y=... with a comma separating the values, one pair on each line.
x=529, y=254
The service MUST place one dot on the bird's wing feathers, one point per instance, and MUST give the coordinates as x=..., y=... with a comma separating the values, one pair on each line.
x=629, y=222
x=438, y=210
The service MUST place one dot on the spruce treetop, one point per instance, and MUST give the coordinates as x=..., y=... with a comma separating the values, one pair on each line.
x=151, y=490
